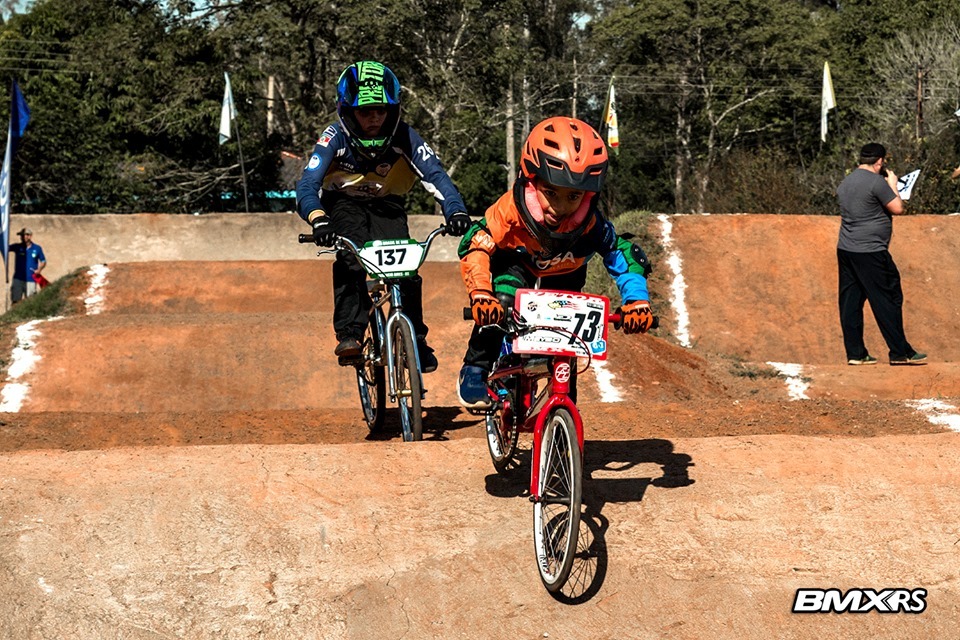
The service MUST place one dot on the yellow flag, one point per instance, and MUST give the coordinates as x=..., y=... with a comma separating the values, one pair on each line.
x=610, y=120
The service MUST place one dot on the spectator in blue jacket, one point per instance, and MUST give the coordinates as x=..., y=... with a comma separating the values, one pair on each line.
x=354, y=186
x=28, y=261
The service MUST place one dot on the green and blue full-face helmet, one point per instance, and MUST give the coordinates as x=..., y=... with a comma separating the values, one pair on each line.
x=368, y=84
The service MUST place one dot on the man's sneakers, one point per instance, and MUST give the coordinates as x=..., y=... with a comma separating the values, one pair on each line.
x=472, y=388
x=867, y=359
x=916, y=358
x=428, y=360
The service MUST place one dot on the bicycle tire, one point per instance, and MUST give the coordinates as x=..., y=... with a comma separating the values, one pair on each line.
x=372, y=379
x=408, y=383
x=556, y=515
x=502, y=435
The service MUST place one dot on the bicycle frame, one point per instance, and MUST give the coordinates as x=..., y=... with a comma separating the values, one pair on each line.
x=556, y=393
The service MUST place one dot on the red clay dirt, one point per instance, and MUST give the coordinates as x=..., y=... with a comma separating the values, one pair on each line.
x=191, y=463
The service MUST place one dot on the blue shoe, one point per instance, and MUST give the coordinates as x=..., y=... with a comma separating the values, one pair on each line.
x=472, y=388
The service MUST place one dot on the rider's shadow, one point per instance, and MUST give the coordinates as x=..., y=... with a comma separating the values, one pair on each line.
x=623, y=470
x=616, y=471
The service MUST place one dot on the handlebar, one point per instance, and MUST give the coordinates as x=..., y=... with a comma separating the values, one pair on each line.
x=342, y=243
x=511, y=325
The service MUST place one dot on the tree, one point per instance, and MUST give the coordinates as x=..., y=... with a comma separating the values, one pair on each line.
x=705, y=77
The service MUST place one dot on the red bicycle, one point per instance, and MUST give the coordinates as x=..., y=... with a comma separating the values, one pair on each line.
x=533, y=385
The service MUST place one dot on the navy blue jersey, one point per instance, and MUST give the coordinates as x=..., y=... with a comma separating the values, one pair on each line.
x=334, y=169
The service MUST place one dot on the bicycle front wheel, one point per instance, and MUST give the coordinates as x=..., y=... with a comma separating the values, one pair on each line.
x=502, y=434
x=371, y=379
x=556, y=515
x=408, y=383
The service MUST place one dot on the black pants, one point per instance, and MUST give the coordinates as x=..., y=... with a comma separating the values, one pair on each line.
x=362, y=221
x=509, y=274
x=873, y=277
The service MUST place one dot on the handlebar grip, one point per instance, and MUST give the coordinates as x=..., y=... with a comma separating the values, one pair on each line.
x=305, y=238
x=467, y=313
x=617, y=320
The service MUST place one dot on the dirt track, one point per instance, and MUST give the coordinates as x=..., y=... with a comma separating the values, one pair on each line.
x=189, y=462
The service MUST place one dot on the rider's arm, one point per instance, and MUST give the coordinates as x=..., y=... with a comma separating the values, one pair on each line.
x=625, y=264
x=483, y=239
x=428, y=168
x=311, y=182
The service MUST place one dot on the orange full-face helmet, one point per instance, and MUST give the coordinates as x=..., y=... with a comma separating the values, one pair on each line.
x=565, y=152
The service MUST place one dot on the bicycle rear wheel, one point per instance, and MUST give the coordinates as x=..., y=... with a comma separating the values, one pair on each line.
x=371, y=379
x=556, y=516
x=408, y=383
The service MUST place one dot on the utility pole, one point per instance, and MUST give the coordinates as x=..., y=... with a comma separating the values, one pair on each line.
x=919, y=102
x=573, y=102
x=511, y=152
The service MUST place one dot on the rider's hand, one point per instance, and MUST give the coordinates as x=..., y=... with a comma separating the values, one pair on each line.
x=486, y=309
x=323, y=233
x=636, y=317
x=458, y=224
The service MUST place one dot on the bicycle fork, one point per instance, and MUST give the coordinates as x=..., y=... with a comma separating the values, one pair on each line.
x=396, y=315
x=561, y=372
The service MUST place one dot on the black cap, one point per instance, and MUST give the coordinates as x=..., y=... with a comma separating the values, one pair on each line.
x=872, y=152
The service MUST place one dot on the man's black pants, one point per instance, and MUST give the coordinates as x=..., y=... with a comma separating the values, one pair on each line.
x=874, y=277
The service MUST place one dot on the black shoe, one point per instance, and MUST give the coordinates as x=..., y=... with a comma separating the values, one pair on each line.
x=428, y=360
x=349, y=347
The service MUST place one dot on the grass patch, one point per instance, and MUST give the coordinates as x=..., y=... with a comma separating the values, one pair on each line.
x=645, y=228
x=752, y=371
x=57, y=299
x=60, y=298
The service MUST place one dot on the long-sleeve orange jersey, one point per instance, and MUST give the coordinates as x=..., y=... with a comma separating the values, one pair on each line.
x=502, y=229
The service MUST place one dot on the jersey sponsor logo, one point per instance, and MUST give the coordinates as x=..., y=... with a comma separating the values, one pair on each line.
x=552, y=262
x=899, y=600
x=328, y=134
x=485, y=242
x=314, y=162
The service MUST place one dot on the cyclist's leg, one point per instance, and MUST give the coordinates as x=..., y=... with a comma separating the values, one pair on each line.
x=351, y=302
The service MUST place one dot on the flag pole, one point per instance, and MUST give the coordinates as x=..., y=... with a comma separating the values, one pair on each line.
x=243, y=172
x=228, y=113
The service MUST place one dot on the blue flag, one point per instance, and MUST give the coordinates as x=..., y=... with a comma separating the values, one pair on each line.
x=19, y=117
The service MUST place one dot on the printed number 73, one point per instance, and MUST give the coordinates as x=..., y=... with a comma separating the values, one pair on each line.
x=588, y=326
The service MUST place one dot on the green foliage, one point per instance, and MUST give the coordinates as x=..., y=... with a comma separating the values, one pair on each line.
x=718, y=100
x=53, y=300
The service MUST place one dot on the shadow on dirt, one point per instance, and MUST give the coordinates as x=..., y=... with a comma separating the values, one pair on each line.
x=614, y=471
x=439, y=423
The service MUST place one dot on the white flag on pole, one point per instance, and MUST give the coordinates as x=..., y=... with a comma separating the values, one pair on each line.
x=228, y=111
x=905, y=184
x=827, y=101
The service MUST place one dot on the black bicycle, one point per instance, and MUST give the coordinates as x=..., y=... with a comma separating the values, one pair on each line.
x=389, y=347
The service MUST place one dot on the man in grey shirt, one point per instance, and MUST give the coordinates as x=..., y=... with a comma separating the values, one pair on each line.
x=868, y=200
